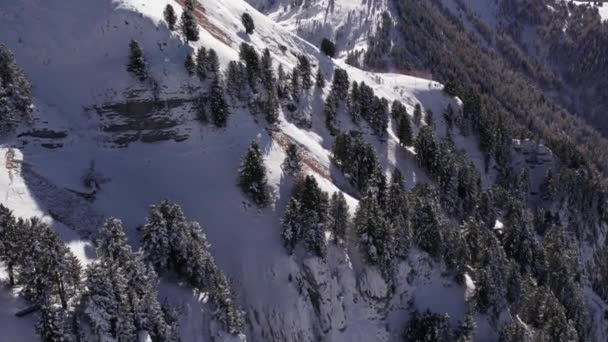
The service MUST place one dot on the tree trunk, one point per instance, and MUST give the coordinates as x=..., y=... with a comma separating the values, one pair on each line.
x=11, y=274
x=64, y=303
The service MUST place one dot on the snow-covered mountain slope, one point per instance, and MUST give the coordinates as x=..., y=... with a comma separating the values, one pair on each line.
x=90, y=111
x=348, y=23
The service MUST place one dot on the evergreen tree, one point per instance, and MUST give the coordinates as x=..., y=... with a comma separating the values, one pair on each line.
x=190, y=65
x=398, y=110
x=252, y=176
x=426, y=222
x=305, y=71
x=353, y=103
x=250, y=57
x=375, y=232
x=248, y=23
x=429, y=327
x=428, y=118
x=54, y=326
x=417, y=114
x=170, y=17
x=340, y=83
x=235, y=78
x=293, y=161
x=331, y=112
x=328, y=48
x=292, y=225
x=201, y=63
x=212, y=63
x=217, y=103
x=295, y=85
x=188, y=25
x=15, y=92
x=338, y=216
x=11, y=242
x=397, y=213
x=137, y=63
x=427, y=150
x=320, y=79
x=404, y=131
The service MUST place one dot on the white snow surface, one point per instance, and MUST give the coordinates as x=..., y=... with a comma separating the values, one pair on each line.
x=75, y=53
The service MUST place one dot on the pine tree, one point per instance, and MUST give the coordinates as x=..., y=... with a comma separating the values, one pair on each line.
x=15, y=92
x=353, y=103
x=426, y=222
x=201, y=63
x=320, y=79
x=398, y=110
x=235, y=78
x=218, y=105
x=417, y=114
x=338, y=217
x=375, y=232
x=252, y=176
x=427, y=150
x=295, y=87
x=113, y=243
x=328, y=48
x=212, y=63
x=248, y=23
x=429, y=327
x=305, y=71
x=405, y=131
x=250, y=57
x=189, y=26
x=293, y=161
x=330, y=111
x=397, y=213
x=292, y=225
x=156, y=241
x=11, y=242
x=137, y=63
x=53, y=325
x=170, y=17
x=340, y=83
x=190, y=65
x=428, y=118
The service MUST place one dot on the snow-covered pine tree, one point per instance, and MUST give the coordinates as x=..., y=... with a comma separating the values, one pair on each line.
x=417, y=114
x=293, y=161
x=295, y=85
x=113, y=244
x=11, y=242
x=189, y=26
x=170, y=17
x=397, y=211
x=330, y=110
x=404, y=131
x=137, y=63
x=320, y=79
x=292, y=226
x=426, y=222
x=54, y=325
x=353, y=103
x=16, y=100
x=250, y=57
x=328, y=48
x=252, y=176
x=338, y=217
x=398, y=110
x=305, y=71
x=340, y=83
x=235, y=78
x=375, y=233
x=201, y=63
x=156, y=237
x=212, y=63
x=190, y=65
x=269, y=101
x=248, y=23
x=217, y=102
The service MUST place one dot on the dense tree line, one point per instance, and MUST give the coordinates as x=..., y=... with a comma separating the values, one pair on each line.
x=15, y=92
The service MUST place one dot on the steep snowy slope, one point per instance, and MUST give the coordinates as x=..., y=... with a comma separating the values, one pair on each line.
x=348, y=23
x=75, y=53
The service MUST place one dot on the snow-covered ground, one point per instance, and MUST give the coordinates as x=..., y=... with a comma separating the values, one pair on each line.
x=75, y=52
